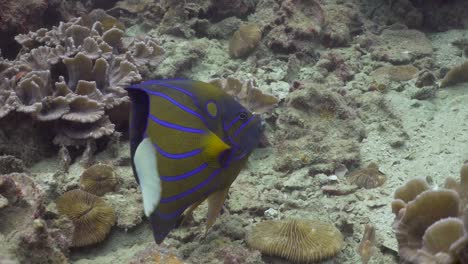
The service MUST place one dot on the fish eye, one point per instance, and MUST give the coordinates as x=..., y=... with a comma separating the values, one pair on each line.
x=243, y=115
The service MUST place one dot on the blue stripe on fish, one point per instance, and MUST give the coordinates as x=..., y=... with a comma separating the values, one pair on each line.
x=191, y=190
x=171, y=215
x=226, y=128
x=181, y=106
x=178, y=155
x=184, y=175
x=176, y=126
x=243, y=126
x=163, y=83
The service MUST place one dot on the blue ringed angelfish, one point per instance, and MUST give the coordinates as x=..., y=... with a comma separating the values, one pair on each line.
x=188, y=141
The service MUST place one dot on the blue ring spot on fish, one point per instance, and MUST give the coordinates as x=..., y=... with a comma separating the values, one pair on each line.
x=185, y=175
x=191, y=190
x=183, y=155
x=176, y=126
x=211, y=108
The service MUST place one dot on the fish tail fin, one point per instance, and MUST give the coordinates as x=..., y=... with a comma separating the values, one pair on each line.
x=162, y=225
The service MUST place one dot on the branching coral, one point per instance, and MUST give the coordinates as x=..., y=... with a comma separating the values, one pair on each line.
x=74, y=75
x=429, y=224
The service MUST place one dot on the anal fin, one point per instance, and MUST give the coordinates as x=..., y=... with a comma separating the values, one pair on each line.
x=215, y=204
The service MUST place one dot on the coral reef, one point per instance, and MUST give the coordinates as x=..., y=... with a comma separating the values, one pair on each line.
x=74, y=75
x=91, y=216
x=31, y=233
x=400, y=46
x=98, y=179
x=9, y=164
x=295, y=26
x=19, y=17
x=154, y=254
x=429, y=224
x=296, y=240
x=318, y=109
x=397, y=73
x=338, y=32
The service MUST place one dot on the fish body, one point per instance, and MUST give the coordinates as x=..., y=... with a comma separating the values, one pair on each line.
x=188, y=140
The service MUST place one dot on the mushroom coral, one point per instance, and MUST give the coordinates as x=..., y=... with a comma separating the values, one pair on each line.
x=90, y=215
x=369, y=177
x=98, y=179
x=431, y=224
x=298, y=240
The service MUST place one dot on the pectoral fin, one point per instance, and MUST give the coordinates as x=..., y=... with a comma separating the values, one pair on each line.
x=213, y=147
x=215, y=204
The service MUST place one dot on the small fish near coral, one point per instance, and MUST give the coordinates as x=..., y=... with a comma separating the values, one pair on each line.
x=189, y=140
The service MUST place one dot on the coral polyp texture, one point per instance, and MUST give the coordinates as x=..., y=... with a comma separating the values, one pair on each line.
x=91, y=216
x=431, y=224
x=297, y=240
x=74, y=75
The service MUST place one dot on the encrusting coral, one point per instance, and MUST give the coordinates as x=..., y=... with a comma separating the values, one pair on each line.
x=298, y=240
x=98, y=179
x=430, y=224
x=74, y=75
x=90, y=215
